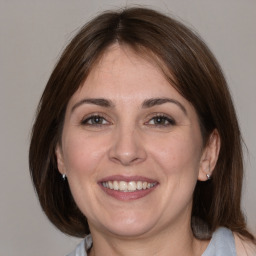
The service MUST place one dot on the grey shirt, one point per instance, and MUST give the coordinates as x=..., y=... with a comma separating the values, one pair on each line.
x=221, y=244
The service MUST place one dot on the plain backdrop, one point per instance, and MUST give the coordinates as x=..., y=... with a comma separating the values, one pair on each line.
x=33, y=34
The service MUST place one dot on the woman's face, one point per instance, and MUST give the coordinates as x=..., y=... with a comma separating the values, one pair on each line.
x=131, y=147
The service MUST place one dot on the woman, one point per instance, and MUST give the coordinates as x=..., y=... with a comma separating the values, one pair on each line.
x=136, y=145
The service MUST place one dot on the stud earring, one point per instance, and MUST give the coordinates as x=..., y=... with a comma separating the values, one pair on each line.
x=208, y=176
x=64, y=176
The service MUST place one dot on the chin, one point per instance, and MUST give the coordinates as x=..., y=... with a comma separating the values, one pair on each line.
x=128, y=231
x=129, y=227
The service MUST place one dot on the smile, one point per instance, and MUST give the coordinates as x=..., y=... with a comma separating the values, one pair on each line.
x=130, y=186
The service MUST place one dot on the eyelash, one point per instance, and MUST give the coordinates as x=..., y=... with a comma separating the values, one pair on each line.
x=161, y=117
x=90, y=120
x=93, y=118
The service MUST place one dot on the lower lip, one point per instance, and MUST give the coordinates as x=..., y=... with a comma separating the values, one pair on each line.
x=126, y=196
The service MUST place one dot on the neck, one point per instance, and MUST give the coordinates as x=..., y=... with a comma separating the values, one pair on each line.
x=177, y=241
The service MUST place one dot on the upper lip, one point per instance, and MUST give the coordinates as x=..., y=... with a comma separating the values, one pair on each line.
x=126, y=178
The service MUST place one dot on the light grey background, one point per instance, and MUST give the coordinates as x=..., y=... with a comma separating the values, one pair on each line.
x=33, y=33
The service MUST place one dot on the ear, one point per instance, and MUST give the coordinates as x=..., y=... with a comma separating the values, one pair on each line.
x=209, y=157
x=60, y=160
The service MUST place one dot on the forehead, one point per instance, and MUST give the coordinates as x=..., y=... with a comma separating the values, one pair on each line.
x=121, y=69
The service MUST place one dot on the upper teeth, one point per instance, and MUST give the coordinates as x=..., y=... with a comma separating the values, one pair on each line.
x=128, y=186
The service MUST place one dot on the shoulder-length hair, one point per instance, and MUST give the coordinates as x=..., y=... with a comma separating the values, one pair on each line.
x=194, y=72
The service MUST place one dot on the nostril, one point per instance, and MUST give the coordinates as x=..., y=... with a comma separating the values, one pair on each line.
x=127, y=155
x=125, y=159
x=127, y=147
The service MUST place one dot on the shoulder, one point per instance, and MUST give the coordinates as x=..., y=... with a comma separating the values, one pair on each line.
x=222, y=243
x=244, y=247
x=79, y=250
x=82, y=248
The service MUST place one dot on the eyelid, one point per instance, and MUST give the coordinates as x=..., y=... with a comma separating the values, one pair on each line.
x=161, y=115
x=148, y=119
x=95, y=114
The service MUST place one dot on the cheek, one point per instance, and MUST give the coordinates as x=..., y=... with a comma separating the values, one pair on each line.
x=82, y=153
x=178, y=154
x=176, y=158
x=82, y=156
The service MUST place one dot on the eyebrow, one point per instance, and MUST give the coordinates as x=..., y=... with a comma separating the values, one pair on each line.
x=149, y=103
x=159, y=101
x=99, y=102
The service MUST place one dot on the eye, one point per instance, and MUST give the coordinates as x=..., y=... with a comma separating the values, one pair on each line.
x=161, y=120
x=95, y=120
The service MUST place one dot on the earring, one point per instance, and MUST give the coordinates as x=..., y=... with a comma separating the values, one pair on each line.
x=208, y=176
x=64, y=176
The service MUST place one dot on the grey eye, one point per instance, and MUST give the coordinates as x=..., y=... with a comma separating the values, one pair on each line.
x=161, y=120
x=94, y=120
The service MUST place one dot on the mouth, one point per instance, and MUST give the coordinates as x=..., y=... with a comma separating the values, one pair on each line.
x=130, y=186
x=127, y=188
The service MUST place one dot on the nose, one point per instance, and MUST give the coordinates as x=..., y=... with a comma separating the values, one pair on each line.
x=127, y=147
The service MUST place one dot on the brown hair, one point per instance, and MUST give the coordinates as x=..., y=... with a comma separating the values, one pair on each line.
x=197, y=76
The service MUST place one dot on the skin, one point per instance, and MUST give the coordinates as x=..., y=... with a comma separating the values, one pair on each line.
x=129, y=139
